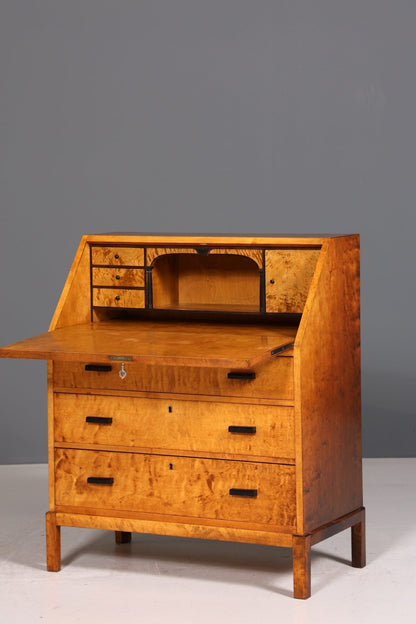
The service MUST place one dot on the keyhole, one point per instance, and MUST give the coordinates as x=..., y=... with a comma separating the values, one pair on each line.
x=170, y=466
x=122, y=372
x=170, y=409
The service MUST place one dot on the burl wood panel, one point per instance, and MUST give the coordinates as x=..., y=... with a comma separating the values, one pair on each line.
x=175, y=425
x=176, y=485
x=327, y=389
x=289, y=274
x=118, y=298
x=117, y=256
x=187, y=281
x=274, y=379
x=117, y=277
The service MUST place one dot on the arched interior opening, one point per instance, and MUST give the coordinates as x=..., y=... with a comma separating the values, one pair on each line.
x=218, y=282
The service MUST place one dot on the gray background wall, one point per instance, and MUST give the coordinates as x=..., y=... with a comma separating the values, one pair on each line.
x=212, y=116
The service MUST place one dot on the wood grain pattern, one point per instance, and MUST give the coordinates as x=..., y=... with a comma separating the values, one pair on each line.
x=117, y=277
x=177, y=485
x=53, y=543
x=118, y=298
x=169, y=424
x=156, y=252
x=178, y=395
x=181, y=344
x=214, y=240
x=327, y=389
x=183, y=527
x=289, y=274
x=51, y=436
x=274, y=379
x=336, y=526
x=117, y=256
x=301, y=566
x=74, y=303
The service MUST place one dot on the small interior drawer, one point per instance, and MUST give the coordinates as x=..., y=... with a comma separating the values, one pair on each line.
x=118, y=298
x=115, y=256
x=166, y=484
x=166, y=424
x=102, y=276
x=272, y=379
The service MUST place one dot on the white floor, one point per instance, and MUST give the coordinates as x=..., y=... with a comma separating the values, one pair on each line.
x=161, y=579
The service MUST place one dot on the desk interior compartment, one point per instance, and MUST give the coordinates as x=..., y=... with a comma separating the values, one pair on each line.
x=185, y=281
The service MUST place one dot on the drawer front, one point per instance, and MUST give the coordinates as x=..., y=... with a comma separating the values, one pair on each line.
x=163, y=424
x=118, y=298
x=274, y=379
x=117, y=277
x=201, y=488
x=115, y=256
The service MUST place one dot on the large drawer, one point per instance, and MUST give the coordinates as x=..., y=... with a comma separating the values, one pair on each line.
x=165, y=424
x=203, y=488
x=273, y=379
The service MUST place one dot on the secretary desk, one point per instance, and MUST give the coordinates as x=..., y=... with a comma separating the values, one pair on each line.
x=207, y=386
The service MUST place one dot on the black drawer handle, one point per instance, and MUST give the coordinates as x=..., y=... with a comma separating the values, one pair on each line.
x=101, y=480
x=241, y=492
x=246, y=430
x=99, y=420
x=241, y=376
x=98, y=368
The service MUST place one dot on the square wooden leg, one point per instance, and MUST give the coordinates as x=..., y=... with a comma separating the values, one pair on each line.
x=358, y=542
x=53, y=543
x=301, y=566
x=122, y=537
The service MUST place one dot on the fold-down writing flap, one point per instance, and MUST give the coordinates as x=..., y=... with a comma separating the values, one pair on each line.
x=181, y=344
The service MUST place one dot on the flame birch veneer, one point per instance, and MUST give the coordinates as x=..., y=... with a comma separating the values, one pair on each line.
x=207, y=386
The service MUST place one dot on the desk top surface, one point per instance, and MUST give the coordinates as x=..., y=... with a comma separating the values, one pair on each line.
x=237, y=240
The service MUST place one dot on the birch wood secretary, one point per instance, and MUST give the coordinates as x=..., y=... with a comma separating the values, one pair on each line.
x=207, y=386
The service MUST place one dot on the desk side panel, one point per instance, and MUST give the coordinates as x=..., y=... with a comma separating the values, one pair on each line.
x=327, y=389
x=74, y=306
